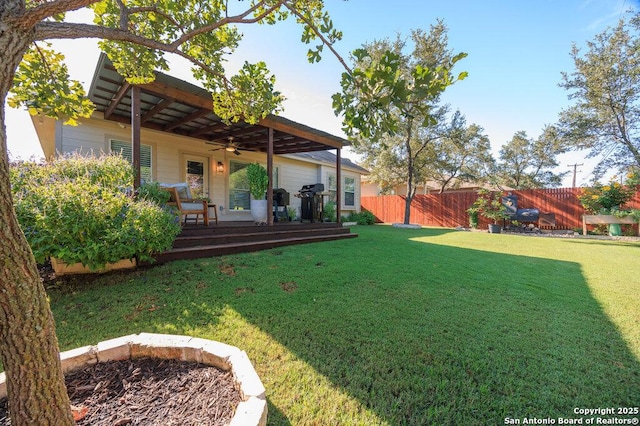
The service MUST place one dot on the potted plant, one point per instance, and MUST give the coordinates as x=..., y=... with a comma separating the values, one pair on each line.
x=491, y=207
x=258, y=183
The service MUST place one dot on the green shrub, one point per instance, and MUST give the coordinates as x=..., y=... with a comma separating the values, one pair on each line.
x=329, y=211
x=292, y=213
x=79, y=209
x=151, y=191
x=473, y=218
x=365, y=217
x=109, y=171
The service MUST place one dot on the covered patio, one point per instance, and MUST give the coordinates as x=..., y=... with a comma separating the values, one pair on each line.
x=177, y=107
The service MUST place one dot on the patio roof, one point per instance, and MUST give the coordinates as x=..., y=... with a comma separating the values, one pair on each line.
x=175, y=106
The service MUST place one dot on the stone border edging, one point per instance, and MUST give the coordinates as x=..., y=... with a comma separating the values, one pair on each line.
x=251, y=411
x=407, y=226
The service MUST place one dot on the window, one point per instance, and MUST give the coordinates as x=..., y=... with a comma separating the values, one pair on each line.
x=124, y=149
x=349, y=191
x=332, y=187
x=238, y=186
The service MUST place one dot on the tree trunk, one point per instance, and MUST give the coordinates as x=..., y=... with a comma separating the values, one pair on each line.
x=28, y=343
x=410, y=185
x=407, y=208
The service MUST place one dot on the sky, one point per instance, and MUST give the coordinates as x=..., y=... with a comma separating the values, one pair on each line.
x=516, y=52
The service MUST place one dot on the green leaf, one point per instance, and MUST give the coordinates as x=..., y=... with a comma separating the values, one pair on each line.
x=42, y=72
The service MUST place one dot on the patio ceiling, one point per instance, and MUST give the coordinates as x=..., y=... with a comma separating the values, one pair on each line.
x=172, y=105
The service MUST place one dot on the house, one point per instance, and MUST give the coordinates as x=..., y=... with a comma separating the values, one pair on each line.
x=179, y=139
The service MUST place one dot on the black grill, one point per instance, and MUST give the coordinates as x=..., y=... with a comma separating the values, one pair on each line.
x=311, y=202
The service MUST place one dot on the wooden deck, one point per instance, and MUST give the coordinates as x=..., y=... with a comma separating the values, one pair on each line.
x=238, y=237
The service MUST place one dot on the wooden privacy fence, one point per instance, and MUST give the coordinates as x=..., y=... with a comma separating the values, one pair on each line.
x=450, y=209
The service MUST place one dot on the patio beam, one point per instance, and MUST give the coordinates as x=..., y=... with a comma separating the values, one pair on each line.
x=270, y=174
x=199, y=113
x=208, y=129
x=282, y=124
x=241, y=131
x=165, y=91
x=156, y=109
x=117, y=99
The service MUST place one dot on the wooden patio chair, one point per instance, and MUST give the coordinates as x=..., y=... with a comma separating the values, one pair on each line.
x=180, y=197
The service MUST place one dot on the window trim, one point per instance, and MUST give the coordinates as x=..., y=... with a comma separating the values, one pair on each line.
x=349, y=192
x=343, y=196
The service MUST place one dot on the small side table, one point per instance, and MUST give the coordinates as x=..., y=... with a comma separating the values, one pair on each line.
x=215, y=211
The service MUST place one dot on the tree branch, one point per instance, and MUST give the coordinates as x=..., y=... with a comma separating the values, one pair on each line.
x=320, y=36
x=70, y=30
x=237, y=19
x=124, y=19
x=424, y=145
x=28, y=18
x=66, y=30
x=44, y=61
x=124, y=15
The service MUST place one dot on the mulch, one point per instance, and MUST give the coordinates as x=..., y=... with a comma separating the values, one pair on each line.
x=149, y=392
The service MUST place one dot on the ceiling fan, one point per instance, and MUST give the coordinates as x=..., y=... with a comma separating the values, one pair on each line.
x=229, y=147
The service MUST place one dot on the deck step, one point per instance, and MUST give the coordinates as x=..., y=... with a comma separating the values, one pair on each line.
x=207, y=239
x=238, y=237
x=202, y=251
x=249, y=227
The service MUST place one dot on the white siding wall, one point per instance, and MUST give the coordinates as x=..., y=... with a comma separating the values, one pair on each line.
x=293, y=175
x=92, y=137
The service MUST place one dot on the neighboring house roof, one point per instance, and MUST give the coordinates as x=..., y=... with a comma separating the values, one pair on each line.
x=329, y=158
x=175, y=106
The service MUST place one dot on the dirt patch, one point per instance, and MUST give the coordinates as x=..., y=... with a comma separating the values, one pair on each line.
x=241, y=290
x=149, y=392
x=289, y=286
x=227, y=269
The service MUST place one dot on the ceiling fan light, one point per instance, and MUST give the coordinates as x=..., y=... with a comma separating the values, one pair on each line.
x=230, y=148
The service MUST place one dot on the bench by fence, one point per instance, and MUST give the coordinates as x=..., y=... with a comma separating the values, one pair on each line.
x=603, y=219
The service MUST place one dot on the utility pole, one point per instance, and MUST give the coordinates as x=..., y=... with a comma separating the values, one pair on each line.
x=575, y=170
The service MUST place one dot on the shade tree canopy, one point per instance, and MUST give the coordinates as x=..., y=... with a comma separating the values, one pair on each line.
x=527, y=163
x=605, y=88
x=462, y=153
x=390, y=102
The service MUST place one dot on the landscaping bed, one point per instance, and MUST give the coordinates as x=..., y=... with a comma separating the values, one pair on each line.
x=149, y=392
x=159, y=379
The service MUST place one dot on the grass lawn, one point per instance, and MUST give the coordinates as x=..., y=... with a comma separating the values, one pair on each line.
x=398, y=326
